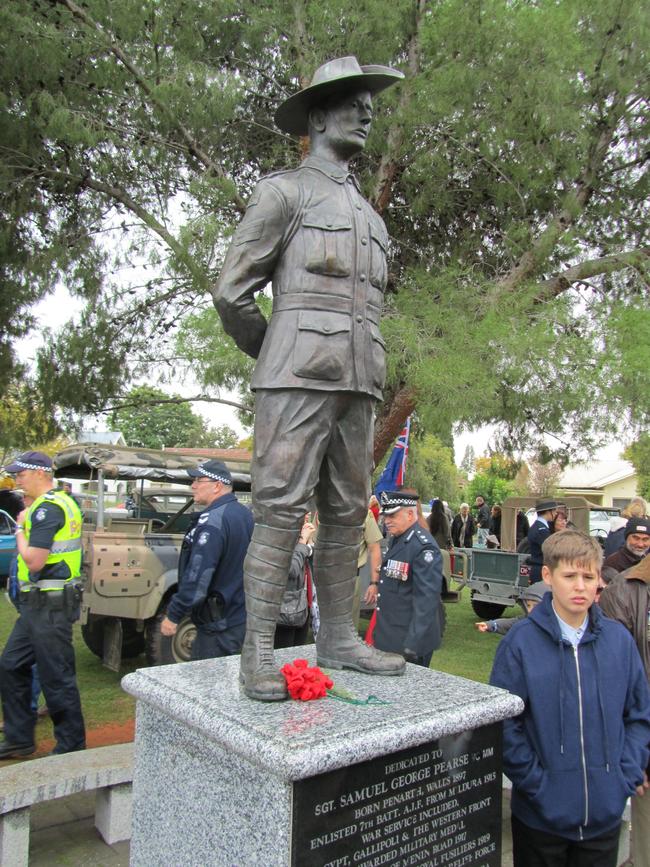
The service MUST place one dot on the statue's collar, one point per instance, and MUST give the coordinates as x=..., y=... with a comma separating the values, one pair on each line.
x=332, y=170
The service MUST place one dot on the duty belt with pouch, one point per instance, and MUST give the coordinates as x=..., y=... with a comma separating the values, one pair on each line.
x=208, y=611
x=57, y=593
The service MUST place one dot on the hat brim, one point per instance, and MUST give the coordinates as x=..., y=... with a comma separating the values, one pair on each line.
x=392, y=509
x=292, y=115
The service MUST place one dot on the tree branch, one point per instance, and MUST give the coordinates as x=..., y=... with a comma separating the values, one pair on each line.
x=591, y=267
x=121, y=196
x=114, y=47
x=389, y=166
x=175, y=400
x=574, y=203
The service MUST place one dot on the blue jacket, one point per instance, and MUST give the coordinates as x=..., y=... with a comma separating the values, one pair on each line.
x=579, y=748
x=410, y=615
x=537, y=535
x=212, y=560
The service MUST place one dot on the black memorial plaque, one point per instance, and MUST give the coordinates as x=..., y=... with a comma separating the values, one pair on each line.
x=437, y=805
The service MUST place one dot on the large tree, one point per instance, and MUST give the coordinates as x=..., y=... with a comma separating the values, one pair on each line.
x=509, y=167
x=150, y=418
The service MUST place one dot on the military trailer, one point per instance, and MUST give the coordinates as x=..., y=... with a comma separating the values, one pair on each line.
x=496, y=577
x=130, y=563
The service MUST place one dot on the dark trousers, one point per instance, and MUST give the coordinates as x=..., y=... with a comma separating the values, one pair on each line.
x=42, y=636
x=531, y=848
x=211, y=642
x=291, y=636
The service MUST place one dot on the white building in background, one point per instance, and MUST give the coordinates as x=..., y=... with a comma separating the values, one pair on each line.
x=606, y=483
x=102, y=437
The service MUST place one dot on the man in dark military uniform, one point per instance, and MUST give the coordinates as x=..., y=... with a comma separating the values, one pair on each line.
x=320, y=365
x=210, y=568
x=410, y=615
x=537, y=535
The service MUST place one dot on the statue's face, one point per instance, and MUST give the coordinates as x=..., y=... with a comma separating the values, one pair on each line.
x=347, y=122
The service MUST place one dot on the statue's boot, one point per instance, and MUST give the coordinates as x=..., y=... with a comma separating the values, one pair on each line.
x=266, y=569
x=338, y=644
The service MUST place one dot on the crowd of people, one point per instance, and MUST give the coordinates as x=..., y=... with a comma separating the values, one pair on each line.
x=571, y=774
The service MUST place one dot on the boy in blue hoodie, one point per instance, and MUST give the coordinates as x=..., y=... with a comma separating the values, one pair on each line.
x=580, y=747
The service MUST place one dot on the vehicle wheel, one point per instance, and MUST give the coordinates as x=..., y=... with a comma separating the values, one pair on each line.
x=161, y=650
x=93, y=635
x=487, y=610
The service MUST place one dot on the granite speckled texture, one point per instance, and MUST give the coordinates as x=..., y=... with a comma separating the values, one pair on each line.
x=214, y=770
x=301, y=739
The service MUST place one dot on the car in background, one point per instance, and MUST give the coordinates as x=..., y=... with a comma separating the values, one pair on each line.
x=7, y=542
x=599, y=517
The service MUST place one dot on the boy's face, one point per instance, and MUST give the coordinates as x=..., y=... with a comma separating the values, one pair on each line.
x=574, y=589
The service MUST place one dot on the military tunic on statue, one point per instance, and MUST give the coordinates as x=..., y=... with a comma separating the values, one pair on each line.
x=320, y=359
x=410, y=614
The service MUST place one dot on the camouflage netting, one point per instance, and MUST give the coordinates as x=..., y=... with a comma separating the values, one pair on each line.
x=84, y=461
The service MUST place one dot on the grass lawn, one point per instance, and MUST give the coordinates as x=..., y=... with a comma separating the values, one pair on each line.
x=102, y=698
x=464, y=652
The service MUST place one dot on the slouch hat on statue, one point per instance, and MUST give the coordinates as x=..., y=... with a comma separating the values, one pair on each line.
x=335, y=76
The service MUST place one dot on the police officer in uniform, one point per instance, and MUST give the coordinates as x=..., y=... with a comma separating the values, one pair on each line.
x=537, y=535
x=48, y=541
x=410, y=616
x=210, y=568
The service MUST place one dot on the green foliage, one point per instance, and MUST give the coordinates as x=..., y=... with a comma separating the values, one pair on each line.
x=23, y=422
x=638, y=453
x=430, y=469
x=147, y=422
x=499, y=466
x=467, y=463
x=492, y=488
x=131, y=133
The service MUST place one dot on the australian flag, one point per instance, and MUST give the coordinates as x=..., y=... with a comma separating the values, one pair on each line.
x=393, y=476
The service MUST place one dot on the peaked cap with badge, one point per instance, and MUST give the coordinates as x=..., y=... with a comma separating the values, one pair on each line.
x=30, y=461
x=217, y=471
x=341, y=75
x=392, y=501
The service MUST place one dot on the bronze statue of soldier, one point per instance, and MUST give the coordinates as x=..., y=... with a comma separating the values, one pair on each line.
x=320, y=366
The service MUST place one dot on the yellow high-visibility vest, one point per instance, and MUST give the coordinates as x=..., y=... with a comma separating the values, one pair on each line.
x=66, y=545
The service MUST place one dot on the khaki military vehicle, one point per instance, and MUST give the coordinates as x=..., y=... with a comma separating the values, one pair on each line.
x=130, y=561
x=496, y=578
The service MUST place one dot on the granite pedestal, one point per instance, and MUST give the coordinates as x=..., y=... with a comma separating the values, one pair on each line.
x=413, y=777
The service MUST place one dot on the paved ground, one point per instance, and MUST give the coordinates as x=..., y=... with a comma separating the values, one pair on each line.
x=63, y=833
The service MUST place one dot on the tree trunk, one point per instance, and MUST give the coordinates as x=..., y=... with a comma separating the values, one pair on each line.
x=391, y=419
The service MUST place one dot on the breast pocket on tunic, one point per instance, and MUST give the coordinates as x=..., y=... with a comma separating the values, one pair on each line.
x=328, y=243
x=322, y=345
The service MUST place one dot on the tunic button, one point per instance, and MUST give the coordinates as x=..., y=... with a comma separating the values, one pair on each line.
x=364, y=241
x=326, y=328
x=359, y=207
x=362, y=277
x=359, y=318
